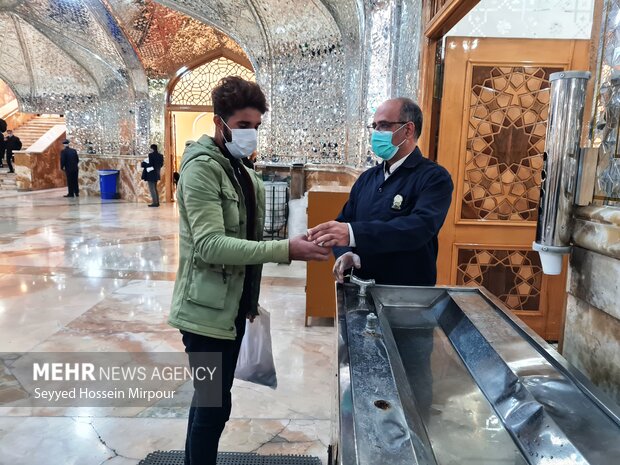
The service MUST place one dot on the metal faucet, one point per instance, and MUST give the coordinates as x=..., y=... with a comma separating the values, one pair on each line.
x=362, y=284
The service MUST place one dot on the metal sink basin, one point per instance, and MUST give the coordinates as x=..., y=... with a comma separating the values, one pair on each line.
x=448, y=376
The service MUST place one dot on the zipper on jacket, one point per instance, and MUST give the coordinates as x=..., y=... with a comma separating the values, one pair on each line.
x=224, y=274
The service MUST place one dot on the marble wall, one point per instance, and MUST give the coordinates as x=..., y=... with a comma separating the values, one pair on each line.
x=592, y=330
x=592, y=334
x=39, y=166
x=16, y=119
x=130, y=185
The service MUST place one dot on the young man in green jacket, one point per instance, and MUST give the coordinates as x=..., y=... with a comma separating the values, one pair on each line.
x=222, y=213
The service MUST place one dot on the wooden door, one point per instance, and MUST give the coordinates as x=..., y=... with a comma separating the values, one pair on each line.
x=491, y=138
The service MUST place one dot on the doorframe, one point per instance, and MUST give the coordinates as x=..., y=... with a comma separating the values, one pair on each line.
x=170, y=108
x=439, y=17
x=436, y=23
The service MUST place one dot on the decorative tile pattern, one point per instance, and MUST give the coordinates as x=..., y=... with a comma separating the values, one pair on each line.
x=53, y=78
x=13, y=64
x=505, y=142
x=166, y=39
x=195, y=86
x=514, y=276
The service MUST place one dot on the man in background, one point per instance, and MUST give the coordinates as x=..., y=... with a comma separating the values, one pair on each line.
x=151, y=173
x=13, y=144
x=69, y=162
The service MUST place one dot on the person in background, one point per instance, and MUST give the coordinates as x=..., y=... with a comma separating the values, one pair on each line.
x=12, y=144
x=2, y=149
x=69, y=162
x=151, y=173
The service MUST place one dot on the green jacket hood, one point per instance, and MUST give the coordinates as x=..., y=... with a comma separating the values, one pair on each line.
x=204, y=146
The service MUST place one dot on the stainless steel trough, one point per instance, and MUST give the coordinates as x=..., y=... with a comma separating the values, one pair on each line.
x=448, y=376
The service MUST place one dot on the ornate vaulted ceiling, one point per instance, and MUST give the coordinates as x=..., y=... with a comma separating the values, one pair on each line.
x=166, y=39
x=72, y=48
x=106, y=64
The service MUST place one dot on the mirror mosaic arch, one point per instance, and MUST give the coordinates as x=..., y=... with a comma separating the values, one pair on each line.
x=297, y=51
x=195, y=86
x=77, y=28
x=312, y=59
x=68, y=46
x=14, y=67
x=167, y=40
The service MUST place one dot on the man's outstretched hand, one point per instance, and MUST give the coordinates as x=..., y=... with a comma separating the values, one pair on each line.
x=300, y=248
x=344, y=263
x=330, y=234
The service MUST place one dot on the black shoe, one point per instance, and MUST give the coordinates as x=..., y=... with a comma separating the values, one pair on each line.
x=154, y=205
x=67, y=195
x=77, y=195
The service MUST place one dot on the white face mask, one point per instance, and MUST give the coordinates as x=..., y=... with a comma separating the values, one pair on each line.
x=243, y=143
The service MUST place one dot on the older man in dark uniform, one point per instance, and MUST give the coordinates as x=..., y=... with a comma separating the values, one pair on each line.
x=388, y=228
x=69, y=161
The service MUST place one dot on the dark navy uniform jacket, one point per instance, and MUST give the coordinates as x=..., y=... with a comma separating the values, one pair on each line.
x=69, y=160
x=397, y=241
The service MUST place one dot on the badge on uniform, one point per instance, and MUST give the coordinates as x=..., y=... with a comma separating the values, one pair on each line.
x=397, y=202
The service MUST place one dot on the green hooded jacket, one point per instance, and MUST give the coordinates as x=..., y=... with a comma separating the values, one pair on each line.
x=212, y=243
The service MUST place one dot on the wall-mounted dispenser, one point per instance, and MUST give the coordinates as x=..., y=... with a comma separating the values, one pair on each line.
x=560, y=168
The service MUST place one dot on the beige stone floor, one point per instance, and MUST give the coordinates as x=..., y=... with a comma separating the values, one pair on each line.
x=81, y=275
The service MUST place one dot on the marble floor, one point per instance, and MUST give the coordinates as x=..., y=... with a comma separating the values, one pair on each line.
x=79, y=275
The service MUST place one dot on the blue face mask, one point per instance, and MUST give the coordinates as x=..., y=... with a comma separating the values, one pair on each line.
x=381, y=142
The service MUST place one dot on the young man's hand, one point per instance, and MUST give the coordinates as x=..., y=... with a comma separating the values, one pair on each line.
x=330, y=234
x=300, y=248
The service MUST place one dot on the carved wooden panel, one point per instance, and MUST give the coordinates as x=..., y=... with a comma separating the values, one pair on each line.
x=508, y=112
x=514, y=276
x=436, y=6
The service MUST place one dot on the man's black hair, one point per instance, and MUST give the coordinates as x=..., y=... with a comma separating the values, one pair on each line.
x=234, y=93
x=410, y=111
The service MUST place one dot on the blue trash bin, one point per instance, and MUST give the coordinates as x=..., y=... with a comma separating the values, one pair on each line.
x=108, y=182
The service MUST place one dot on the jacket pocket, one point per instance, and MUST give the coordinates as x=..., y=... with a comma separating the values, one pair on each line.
x=230, y=210
x=208, y=286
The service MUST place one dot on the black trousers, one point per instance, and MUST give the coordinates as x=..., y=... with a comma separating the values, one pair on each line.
x=206, y=424
x=154, y=193
x=9, y=160
x=72, y=182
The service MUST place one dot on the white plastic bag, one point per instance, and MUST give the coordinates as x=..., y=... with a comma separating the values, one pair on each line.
x=255, y=362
